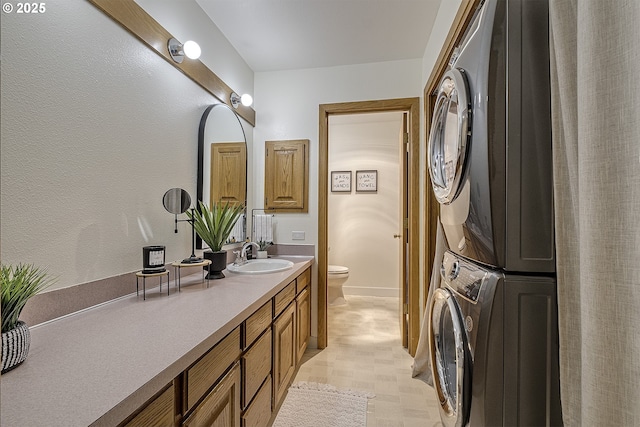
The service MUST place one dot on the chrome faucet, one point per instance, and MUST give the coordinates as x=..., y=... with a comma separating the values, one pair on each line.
x=241, y=256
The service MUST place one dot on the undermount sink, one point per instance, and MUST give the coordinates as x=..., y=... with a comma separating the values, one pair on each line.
x=261, y=266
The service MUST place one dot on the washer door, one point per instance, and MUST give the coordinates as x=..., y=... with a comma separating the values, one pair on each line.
x=451, y=362
x=449, y=136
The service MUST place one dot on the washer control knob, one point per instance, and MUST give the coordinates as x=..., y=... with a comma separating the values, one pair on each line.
x=468, y=324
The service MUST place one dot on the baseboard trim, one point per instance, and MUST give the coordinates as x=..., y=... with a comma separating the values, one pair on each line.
x=371, y=291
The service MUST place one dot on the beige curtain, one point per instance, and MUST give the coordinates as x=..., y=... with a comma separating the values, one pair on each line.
x=421, y=368
x=595, y=68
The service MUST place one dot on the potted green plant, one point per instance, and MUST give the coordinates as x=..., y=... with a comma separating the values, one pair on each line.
x=19, y=283
x=214, y=226
x=262, y=248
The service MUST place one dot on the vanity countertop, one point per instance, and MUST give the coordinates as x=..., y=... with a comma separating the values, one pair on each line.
x=98, y=366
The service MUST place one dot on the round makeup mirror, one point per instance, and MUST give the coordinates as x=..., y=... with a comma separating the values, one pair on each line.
x=176, y=201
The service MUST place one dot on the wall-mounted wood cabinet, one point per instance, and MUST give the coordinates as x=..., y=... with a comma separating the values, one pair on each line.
x=228, y=172
x=286, y=185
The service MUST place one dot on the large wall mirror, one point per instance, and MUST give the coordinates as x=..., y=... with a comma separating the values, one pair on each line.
x=222, y=160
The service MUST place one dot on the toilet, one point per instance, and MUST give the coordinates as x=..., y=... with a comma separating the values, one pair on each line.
x=336, y=276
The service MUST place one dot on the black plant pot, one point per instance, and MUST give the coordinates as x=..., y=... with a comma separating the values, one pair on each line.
x=218, y=263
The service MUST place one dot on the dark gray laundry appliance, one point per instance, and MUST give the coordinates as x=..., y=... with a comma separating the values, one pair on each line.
x=493, y=330
x=494, y=342
x=489, y=151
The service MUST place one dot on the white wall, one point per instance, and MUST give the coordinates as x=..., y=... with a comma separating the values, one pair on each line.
x=362, y=225
x=287, y=105
x=185, y=20
x=446, y=13
x=95, y=128
x=287, y=108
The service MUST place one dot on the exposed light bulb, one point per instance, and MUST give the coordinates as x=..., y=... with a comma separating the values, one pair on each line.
x=246, y=100
x=191, y=49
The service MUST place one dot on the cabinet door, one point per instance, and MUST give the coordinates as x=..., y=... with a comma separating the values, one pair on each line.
x=221, y=407
x=286, y=175
x=303, y=319
x=284, y=352
x=256, y=367
x=228, y=172
x=259, y=413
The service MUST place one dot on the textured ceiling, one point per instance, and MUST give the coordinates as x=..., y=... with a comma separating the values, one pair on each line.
x=293, y=34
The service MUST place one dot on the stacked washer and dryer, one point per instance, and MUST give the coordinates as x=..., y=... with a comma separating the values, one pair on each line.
x=493, y=330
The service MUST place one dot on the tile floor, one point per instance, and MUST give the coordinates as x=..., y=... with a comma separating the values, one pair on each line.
x=365, y=353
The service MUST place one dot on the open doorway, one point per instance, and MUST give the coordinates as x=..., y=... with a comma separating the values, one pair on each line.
x=364, y=203
x=409, y=224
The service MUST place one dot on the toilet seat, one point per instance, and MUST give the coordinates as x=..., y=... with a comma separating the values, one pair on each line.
x=337, y=270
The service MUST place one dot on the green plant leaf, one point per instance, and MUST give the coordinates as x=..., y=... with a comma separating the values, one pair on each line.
x=20, y=283
x=214, y=225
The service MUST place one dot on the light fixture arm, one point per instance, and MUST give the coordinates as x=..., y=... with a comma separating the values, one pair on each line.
x=178, y=50
x=236, y=100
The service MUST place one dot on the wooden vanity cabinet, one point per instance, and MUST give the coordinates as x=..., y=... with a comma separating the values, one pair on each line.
x=259, y=412
x=256, y=365
x=284, y=352
x=157, y=412
x=291, y=332
x=241, y=380
x=256, y=324
x=303, y=313
x=206, y=371
x=256, y=368
x=221, y=407
x=303, y=319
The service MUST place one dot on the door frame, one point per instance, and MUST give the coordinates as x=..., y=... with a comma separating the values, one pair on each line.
x=412, y=107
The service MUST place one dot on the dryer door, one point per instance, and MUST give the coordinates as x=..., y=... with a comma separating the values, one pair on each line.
x=450, y=359
x=449, y=136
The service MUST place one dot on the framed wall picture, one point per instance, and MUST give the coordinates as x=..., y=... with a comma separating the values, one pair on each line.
x=341, y=181
x=367, y=181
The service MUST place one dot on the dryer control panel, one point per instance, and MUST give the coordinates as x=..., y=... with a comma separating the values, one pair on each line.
x=462, y=276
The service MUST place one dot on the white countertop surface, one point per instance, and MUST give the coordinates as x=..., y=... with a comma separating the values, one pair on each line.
x=98, y=366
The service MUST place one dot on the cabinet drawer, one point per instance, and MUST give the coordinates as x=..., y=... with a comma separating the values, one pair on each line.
x=259, y=413
x=284, y=298
x=257, y=366
x=206, y=371
x=158, y=412
x=257, y=323
x=221, y=407
x=303, y=280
